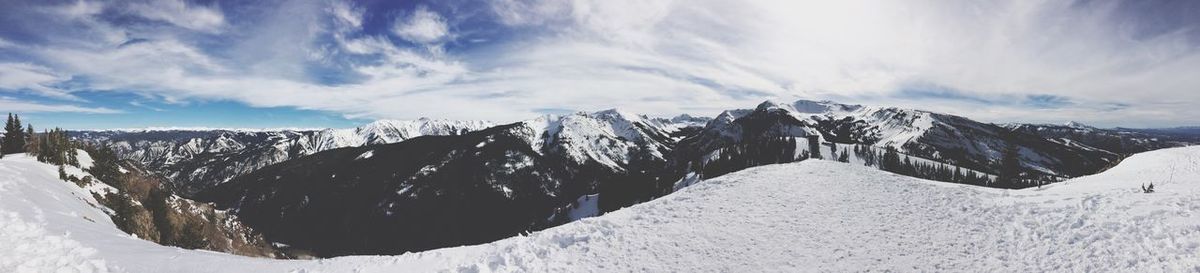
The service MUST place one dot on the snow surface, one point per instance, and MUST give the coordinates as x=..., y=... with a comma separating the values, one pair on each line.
x=365, y=155
x=584, y=207
x=85, y=160
x=814, y=215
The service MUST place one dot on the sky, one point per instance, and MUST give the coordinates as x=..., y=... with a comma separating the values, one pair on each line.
x=336, y=63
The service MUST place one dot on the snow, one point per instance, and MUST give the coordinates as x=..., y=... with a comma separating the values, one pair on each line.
x=391, y=131
x=365, y=155
x=814, y=215
x=606, y=137
x=85, y=159
x=584, y=207
x=688, y=180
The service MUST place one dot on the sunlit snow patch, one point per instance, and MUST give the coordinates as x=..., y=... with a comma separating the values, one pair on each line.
x=365, y=155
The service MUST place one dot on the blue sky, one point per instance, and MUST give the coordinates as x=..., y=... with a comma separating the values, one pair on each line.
x=336, y=63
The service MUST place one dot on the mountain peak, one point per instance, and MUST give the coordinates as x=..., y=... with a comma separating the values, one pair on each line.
x=1074, y=124
x=685, y=118
x=772, y=105
x=616, y=112
x=807, y=106
x=824, y=106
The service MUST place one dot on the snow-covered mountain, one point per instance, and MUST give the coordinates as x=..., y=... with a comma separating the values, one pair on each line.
x=940, y=137
x=195, y=160
x=441, y=191
x=379, y=189
x=811, y=215
x=1118, y=140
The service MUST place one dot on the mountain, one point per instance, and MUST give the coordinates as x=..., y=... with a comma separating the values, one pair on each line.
x=939, y=137
x=195, y=160
x=452, y=187
x=1190, y=132
x=437, y=191
x=811, y=215
x=1118, y=140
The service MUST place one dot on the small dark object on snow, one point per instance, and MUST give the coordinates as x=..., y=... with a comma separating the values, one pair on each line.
x=1149, y=189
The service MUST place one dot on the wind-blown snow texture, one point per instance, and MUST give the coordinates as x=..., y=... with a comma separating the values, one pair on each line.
x=808, y=216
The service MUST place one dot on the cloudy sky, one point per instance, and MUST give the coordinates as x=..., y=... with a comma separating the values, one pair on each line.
x=335, y=63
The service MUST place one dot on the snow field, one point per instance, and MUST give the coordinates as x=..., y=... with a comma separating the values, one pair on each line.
x=809, y=216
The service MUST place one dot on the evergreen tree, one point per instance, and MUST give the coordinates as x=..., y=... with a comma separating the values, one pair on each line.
x=31, y=141
x=844, y=157
x=124, y=209
x=55, y=147
x=105, y=163
x=14, y=137
x=1010, y=164
x=906, y=168
x=44, y=150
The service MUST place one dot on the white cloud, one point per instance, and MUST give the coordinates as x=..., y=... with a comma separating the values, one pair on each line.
x=866, y=50
x=180, y=13
x=422, y=26
x=18, y=106
x=34, y=78
x=346, y=13
x=81, y=9
x=670, y=57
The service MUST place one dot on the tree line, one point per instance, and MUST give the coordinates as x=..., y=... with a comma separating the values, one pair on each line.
x=891, y=160
x=50, y=146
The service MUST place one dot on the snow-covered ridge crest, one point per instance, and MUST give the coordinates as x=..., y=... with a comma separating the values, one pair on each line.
x=195, y=160
x=377, y=124
x=201, y=129
x=808, y=106
x=392, y=131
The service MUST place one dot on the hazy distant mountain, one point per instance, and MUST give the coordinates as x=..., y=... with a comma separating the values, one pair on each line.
x=1118, y=140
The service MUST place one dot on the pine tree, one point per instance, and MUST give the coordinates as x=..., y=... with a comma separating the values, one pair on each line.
x=31, y=141
x=890, y=160
x=1010, y=164
x=44, y=149
x=907, y=167
x=14, y=137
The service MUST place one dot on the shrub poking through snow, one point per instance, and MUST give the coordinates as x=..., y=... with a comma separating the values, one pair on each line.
x=1148, y=189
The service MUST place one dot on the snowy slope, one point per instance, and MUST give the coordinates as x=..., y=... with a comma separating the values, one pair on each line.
x=809, y=216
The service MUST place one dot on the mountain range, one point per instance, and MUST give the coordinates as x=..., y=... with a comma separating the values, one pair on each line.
x=197, y=159
x=397, y=186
